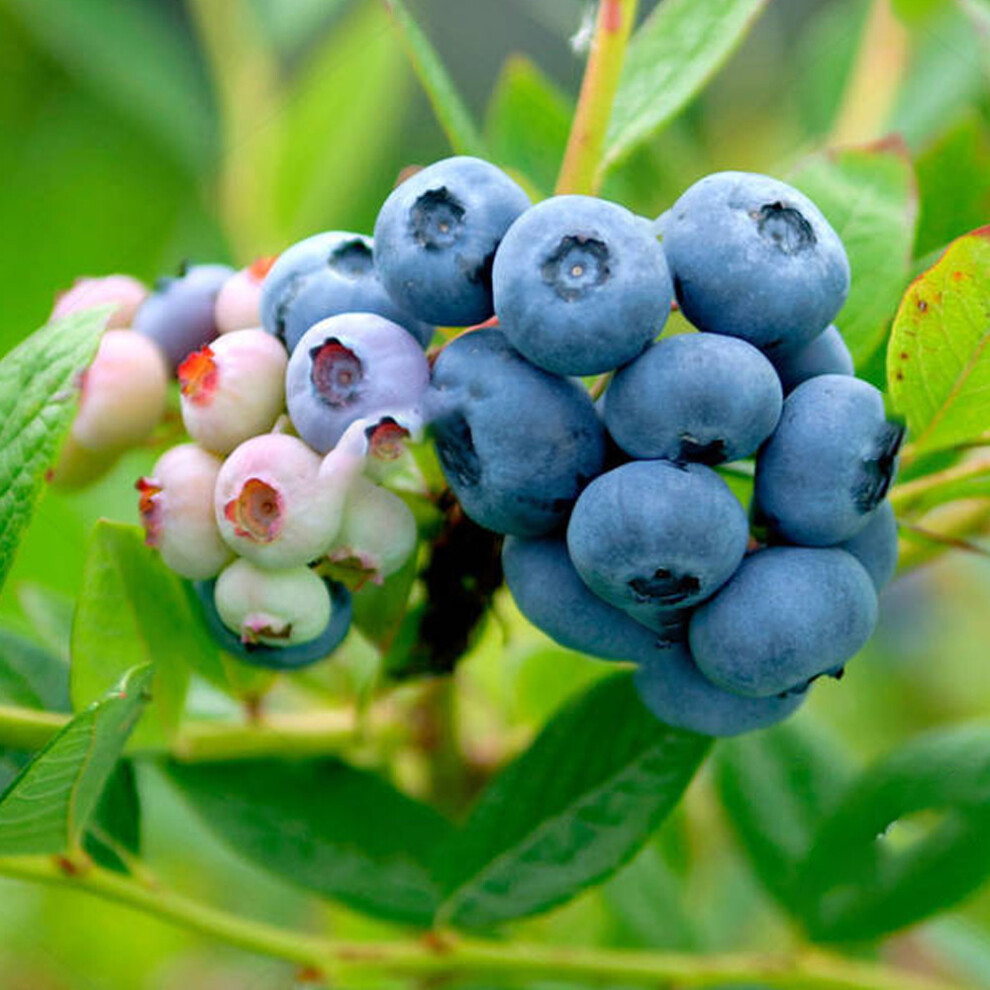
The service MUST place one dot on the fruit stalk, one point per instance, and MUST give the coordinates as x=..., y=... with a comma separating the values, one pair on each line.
x=601, y=81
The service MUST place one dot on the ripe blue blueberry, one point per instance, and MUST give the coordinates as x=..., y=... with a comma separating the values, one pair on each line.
x=673, y=688
x=436, y=236
x=516, y=444
x=350, y=367
x=827, y=354
x=179, y=315
x=580, y=285
x=326, y=275
x=279, y=657
x=829, y=463
x=875, y=545
x=754, y=258
x=694, y=397
x=788, y=615
x=550, y=593
x=652, y=537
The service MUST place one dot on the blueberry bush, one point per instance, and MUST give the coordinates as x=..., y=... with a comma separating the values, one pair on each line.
x=463, y=602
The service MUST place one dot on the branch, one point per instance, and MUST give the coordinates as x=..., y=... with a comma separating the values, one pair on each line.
x=601, y=80
x=908, y=493
x=439, y=955
x=296, y=735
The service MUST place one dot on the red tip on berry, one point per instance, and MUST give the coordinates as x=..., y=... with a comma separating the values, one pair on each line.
x=149, y=509
x=260, y=267
x=198, y=376
x=336, y=373
x=385, y=439
x=256, y=512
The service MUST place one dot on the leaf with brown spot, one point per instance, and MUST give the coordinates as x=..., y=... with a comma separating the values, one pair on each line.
x=938, y=360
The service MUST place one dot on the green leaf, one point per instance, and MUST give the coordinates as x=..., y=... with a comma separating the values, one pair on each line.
x=528, y=122
x=328, y=827
x=938, y=359
x=116, y=824
x=31, y=676
x=978, y=12
x=450, y=110
x=293, y=25
x=333, y=141
x=37, y=404
x=946, y=75
x=860, y=877
x=954, y=181
x=674, y=53
x=47, y=807
x=135, y=58
x=776, y=787
x=132, y=610
x=573, y=808
x=868, y=195
x=50, y=614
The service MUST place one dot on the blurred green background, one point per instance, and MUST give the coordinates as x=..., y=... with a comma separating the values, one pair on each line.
x=137, y=134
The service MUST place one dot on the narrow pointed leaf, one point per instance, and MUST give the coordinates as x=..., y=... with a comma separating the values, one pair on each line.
x=37, y=403
x=48, y=806
x=777, y=787
x=327, y=827
x=674, y=53
x=448, y=106
x=132, y=610
x=867, y=874
x=30, y=675
x=528, y=122
x=573, y=808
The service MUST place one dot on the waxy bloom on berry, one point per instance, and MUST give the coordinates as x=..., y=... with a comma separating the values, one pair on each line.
x=233, y=389
x=176, y=506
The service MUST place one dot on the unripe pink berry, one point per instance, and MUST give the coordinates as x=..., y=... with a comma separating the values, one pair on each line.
x=123, y=393
x=128, y=293
x=378, y=533
x=237, y=305
x=78, y=467
x=233, y=389
x=273, y=608
x=272, y=504
x=176, y=506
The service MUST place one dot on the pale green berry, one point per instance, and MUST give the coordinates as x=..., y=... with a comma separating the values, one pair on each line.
x=274, y=608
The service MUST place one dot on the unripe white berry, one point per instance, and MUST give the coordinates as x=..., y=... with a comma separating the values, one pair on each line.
x=123, y=393
x=272, y=504
x=233, y=389
x=126, y=292
x=273, y=608
x=176, y=506
x=237, y=305
x=378, y=533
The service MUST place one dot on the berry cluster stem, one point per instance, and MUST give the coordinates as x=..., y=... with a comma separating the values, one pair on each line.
x=601, y=81
x=441, y=956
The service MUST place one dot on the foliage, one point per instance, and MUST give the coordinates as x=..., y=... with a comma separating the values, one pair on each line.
x=531, y=782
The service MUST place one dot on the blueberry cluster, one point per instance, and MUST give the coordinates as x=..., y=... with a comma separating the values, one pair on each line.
x=623, y=538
